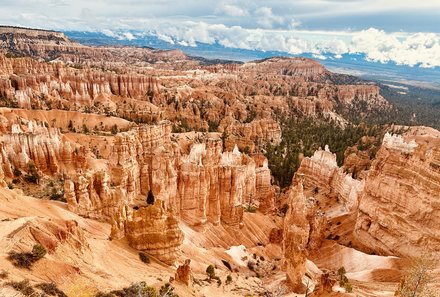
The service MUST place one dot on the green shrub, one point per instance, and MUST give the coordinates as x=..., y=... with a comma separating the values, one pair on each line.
x=135, y=290
x=213, y=126
x=17, y=172
x=4, y=274
x=210, y=271
x=115, y=129
x=24, y=287
x=26, y=260
x=228, y=279
x=85, y=129
x=32, y=176
x=57, y=195
x=341, y=272
x=70, y=126
x=343, y=281
x=284, y=209
x=250, y=208
x=21, y=260
x=348, y=288
x=167, y=290
x=51, y=289
x=38, y=251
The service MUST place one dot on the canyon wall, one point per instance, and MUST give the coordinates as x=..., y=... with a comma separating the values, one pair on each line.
x=399, y=212
x=203, y=185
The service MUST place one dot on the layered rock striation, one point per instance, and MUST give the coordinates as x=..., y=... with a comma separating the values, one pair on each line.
x=295, y=237
x=28, y=83
x=154, y=229
x=202, y=185
x=399, y=211
x=322, y=173
x=29, y=145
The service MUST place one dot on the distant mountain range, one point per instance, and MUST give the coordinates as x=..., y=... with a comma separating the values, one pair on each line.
x=355, y=64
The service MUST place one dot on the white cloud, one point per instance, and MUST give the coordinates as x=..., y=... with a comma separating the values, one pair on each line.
x=319, y=57
x=294, y=24
x=411, y=49
x=403, y=49
x=416, y=49
x=231, y=10
x=166, y=38
x=120, y=35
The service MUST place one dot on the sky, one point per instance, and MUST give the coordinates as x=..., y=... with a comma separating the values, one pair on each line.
x=398, y=31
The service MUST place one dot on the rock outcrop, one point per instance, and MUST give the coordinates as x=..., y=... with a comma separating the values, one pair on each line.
x=321, y=173
x=154, y=229
x=31, y=143
x=203, y=185
x=295, y=237
x=53, y=235
x=184, y=274
x=91, y=195
x=305, y=68
x=399, y=212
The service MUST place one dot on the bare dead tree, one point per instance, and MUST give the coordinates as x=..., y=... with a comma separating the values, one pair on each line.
x=419, y=276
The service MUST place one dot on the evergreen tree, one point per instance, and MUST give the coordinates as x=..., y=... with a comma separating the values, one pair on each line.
x=150, y=198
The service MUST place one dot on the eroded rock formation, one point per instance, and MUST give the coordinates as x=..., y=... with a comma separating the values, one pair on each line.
x=295, y=237
x=321, y=173
x=31, y=143
x=28, y=83
x=184, y=274
x=399, y=210
x=154, y=229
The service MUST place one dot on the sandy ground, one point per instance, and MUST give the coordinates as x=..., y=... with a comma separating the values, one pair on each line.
x=88, y=260
x=92, y=261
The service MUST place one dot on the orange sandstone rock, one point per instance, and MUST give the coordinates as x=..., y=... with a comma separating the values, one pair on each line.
x=154, y=229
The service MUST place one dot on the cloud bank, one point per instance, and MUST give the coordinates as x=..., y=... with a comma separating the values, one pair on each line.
x=411, y=49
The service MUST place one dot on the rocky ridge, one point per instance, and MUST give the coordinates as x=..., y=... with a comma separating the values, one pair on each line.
x=398, y=212
x=52, y=45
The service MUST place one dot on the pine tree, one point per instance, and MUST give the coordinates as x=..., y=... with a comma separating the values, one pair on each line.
x=150, y=198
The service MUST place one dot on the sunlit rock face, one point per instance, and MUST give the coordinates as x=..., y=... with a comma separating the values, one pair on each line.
x=295, y=237
x=155, y=230
x=321, y=172
x=30, y=143
x=28, y=82
x=399, y=212
x=203, y=185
